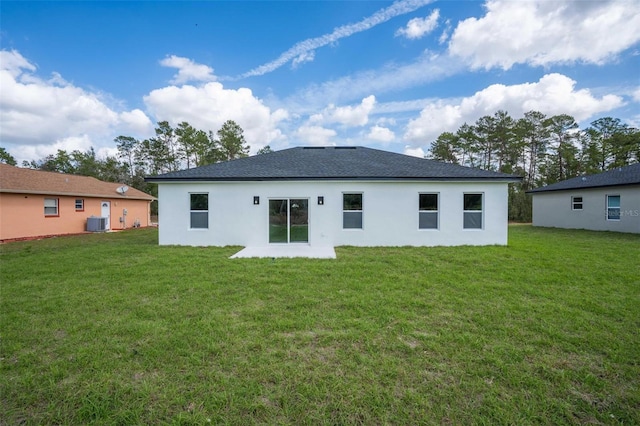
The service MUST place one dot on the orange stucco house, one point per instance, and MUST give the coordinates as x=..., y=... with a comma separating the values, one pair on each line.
x=36, y=204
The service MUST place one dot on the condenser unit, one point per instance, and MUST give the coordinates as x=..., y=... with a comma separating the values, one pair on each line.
x=96, y=224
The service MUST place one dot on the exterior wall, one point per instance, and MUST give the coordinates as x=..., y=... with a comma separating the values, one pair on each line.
x=390, y=213
x=554, y=209
x=22, y=215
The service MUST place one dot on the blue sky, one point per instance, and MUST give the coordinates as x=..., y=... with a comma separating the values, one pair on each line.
x=389, y=75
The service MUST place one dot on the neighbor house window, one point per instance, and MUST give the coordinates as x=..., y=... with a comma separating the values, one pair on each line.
x=79, y=205
x=613, y=207
x=199, y=211
x=428, y=211
x=51, y=207
x=352, y=211
x=576, y=203
x=472, y=211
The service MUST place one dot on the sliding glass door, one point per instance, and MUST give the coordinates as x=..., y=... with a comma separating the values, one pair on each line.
x=289, y=220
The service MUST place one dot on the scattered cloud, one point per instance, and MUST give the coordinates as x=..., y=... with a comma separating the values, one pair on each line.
x=445, y=33
x=315, y=135
x=207, y=107
x=552, y=94
x=414, y=152
x=426, y=68
x=541, y=33
x=137, y=121
x=39, y=116
x=419, y=27
x=303, y=57
x=636, y=94
x=188, y=70
x=381, y=134
x=398, y=8
x=351, y=116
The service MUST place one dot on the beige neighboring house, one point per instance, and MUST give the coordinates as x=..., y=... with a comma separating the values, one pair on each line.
x=37, y=204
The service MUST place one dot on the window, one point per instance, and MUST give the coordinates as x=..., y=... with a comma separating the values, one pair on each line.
x=352, y=211
x=428, y=211
x=576, y=203
x=79, y=205
x=613, y=207
x=51, y=207
x=199, y=211
x=472, y=211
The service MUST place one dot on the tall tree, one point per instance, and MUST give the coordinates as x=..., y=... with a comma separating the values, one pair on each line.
x=445, y=148
x=533, y=133
x=608, y=143
x=264, y=150
x=193, y=145
x=562, y=162
x=127, y=146
x=6, y=158
x=230, y=141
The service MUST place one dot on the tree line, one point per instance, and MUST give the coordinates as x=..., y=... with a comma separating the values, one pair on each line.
x=541, y=149
x=170, y=149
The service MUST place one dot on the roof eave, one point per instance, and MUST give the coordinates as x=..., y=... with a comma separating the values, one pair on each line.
x=334, y=179
x=74, y=194
x=577, y=188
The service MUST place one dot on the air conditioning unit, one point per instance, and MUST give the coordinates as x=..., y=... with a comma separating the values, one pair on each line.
x=96, y=224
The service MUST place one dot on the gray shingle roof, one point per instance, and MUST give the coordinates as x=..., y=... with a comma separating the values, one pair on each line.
x=628, y=175
x=331, y=163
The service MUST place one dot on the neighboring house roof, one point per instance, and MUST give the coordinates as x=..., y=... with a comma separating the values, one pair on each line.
x=331, y=163
x=28, y=181
x=628, y=175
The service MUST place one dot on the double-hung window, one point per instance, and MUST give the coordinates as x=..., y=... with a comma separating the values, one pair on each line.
x=428, y=211
x=613, y=207
x=51, y=207
x=352, y=211
x=576, y=203
x=472, y=211
x=79, y=205
x=199, y=211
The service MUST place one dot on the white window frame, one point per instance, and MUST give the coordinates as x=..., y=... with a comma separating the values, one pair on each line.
x=481, y=211
x=54, y=204
x=435, y=212
x=81, y=203
x=191, y=211
x=361, y=211
x=619, y=208
x=575, y=202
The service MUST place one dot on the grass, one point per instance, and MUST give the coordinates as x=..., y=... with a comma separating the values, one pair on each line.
x=113, y=329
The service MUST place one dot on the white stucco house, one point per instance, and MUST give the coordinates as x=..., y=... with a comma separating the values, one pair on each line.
x=332, y=196
x=608, y=201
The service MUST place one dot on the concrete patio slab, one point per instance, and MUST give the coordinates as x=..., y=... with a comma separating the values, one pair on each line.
x=287, y=250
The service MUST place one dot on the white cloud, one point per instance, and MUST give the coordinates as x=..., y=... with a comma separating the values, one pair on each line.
x=316, y=135
x=636, y=94
x=39, y=116
x=381, y=134
x=303, y=57
x=348, y=115
x=414, y=152
x=13, y=63
x=209, y=106
x=419, y=27
x=427, y=68
x=546, y=32
x=188, y=70
x=137, y=122
x=552, y=94
x=398, y=8
x=445, y=33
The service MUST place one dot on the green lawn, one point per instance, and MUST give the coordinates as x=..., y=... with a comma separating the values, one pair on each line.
x=113, y=329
